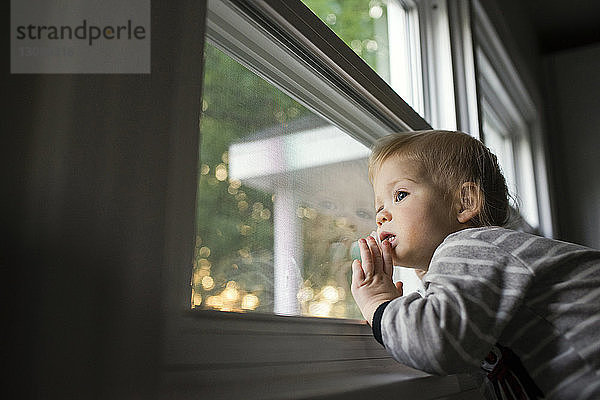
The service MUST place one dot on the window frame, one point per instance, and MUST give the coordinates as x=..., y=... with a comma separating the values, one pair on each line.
x=226, y=354
x=460, y=14
x=313, y=52
x=438, y=65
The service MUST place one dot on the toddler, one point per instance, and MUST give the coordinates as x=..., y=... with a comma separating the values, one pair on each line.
x=519, y=311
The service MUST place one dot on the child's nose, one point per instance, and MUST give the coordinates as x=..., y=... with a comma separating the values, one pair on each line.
x=383, y=216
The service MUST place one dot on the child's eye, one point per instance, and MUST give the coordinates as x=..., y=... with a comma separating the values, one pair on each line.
x=400, y=195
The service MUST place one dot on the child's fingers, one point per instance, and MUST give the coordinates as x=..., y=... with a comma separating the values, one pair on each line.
x=399, y=286
x=358, y=275
x=388, y=262
x=375, y=236
x=377, y=258
x=366, y=257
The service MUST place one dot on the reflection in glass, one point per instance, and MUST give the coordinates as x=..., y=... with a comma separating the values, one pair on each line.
x=282, y=198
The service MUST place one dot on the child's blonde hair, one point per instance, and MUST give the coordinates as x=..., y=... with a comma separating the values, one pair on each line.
x=450, y=159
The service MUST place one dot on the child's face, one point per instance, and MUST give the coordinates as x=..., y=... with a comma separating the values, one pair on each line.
x=411, y=212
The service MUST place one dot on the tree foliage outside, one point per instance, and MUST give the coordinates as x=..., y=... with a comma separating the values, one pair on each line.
x=361, y=24
x=234, y=243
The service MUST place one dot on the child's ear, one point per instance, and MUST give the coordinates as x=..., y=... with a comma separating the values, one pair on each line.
x=470, y=202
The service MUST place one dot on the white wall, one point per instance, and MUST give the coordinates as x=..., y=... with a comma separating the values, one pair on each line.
x=573, y=83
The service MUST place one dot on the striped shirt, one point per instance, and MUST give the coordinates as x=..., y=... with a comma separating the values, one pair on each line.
x=493, y=287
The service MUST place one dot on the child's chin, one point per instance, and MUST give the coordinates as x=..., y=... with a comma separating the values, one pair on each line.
x=401, y=261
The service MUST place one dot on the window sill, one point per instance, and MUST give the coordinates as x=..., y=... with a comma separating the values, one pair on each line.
x=257, y=356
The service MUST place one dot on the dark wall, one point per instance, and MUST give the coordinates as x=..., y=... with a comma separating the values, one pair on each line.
x=89, y=182
x=573, y=85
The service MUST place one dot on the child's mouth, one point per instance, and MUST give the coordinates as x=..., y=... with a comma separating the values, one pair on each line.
x=390, y=237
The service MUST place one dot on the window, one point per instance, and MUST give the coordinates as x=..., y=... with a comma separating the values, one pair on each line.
x=315, y=106
x=385, y=34
x=497, y=137
x=511, y=145
x=509, y=127
x=283, y=154
x=283, y=196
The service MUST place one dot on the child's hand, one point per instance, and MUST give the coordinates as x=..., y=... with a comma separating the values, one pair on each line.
x=372, y=278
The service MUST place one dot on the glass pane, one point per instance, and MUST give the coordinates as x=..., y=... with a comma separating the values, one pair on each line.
x=282, y=198
x=385, y=34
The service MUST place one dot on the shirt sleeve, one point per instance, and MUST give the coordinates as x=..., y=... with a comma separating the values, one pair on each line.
x=377, y=321
x=472, y=289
